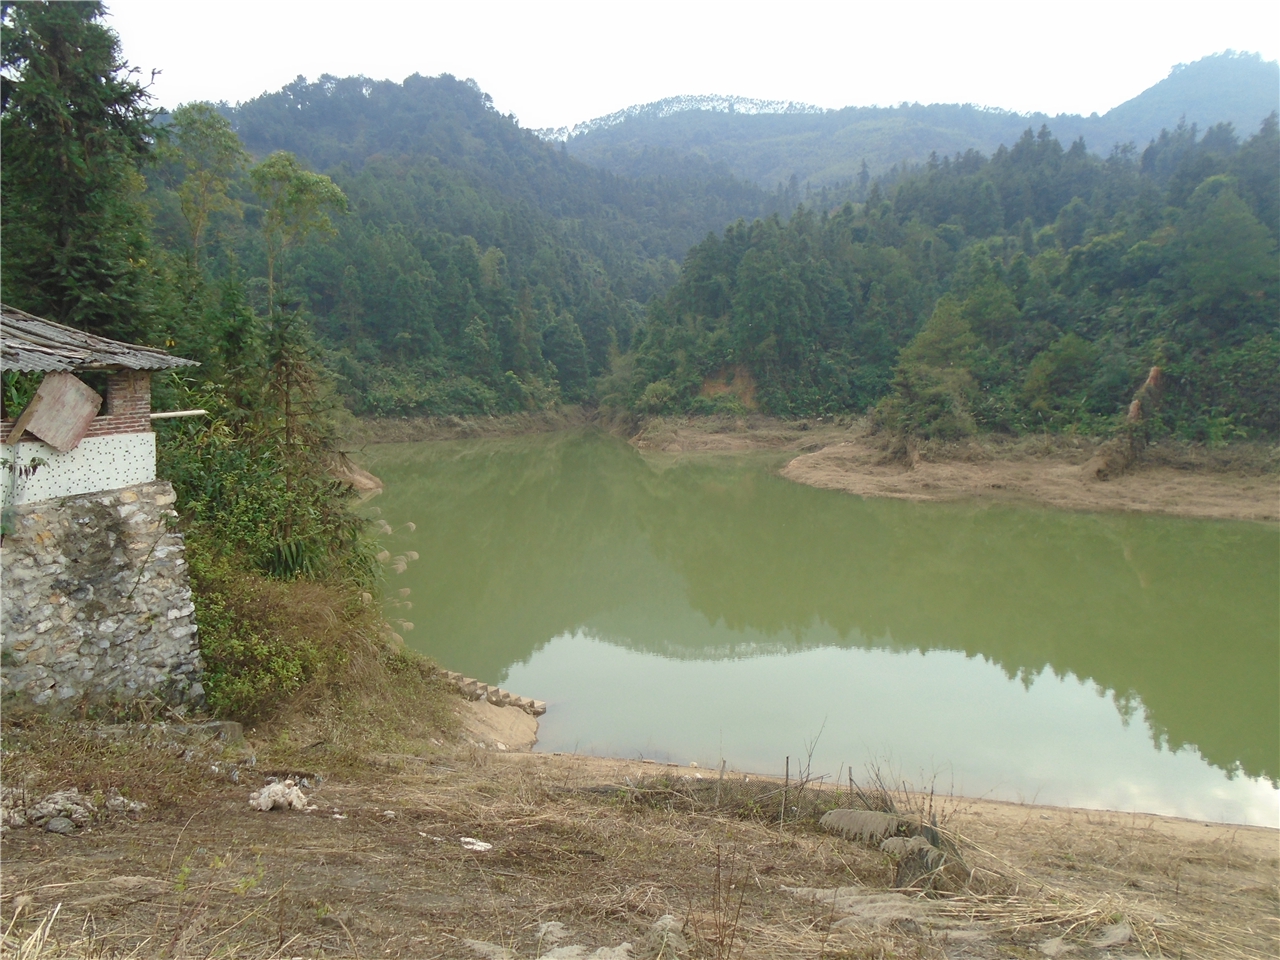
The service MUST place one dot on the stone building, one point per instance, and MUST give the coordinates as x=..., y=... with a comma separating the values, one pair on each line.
x=95, y=602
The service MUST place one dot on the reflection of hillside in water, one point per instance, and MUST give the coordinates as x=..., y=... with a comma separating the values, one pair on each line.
x=705, y=558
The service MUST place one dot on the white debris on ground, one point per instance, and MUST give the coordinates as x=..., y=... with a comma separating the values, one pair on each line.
x=20, y=809
x=664, y=941
x=474, y=845
x=281, y=795
x=860, y=905
x=1113, y=936
x=119, y=804
x=867, y=825
x=666, y=938
x=549, y=933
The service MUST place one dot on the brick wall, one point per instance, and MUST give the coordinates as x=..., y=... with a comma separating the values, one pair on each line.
x=128, y=393
x=100, y=427
x=132, y=423
x=127, y=410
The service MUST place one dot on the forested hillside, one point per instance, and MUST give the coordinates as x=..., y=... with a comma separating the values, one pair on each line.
x=769, y=144
x=476, y=262
x=1027, y=290
x=407, y=247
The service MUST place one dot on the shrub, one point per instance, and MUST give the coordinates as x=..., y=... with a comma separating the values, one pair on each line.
x=261, y=639
x=722, y=404
x=1056, y=389
x=658, y=397
x=271, y=503
x=1228, y=394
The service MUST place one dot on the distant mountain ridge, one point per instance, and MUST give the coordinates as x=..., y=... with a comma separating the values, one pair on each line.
x=668, y=106
x=769, y=142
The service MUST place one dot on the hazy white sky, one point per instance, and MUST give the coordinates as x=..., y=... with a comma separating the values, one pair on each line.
x=558, y=63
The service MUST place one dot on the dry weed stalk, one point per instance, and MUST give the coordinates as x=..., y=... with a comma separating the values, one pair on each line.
x=725, y=913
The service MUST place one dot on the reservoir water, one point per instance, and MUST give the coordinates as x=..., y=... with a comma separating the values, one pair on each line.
x=700, y=608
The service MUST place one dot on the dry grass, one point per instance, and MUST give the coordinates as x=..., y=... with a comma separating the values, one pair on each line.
x=608, y=850
x=42, y=755
x=389, y=701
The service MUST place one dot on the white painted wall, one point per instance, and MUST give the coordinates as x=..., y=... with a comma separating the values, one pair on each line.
x=97, y=463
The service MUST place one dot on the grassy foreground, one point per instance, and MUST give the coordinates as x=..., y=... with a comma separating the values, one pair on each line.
x=578, y=852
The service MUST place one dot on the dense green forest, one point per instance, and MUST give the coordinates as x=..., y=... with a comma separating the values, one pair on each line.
x=479, y=269
x=1024, y=291
x=769, y=143
x=404, y=249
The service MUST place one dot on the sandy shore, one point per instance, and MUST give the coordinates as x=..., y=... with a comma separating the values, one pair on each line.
x=1240, y=483
x=856, y=466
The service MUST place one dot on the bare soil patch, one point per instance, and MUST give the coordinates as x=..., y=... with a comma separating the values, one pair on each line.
x=737, y=434
x=1237, y=482
x=499, y=728
x=358, y=432
x=468, y=852
x=1054, y=479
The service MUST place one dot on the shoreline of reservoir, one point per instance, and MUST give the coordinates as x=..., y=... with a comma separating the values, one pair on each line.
x=513, y=731
x=694, y=520
x=1237, y=481
x=1240, y=482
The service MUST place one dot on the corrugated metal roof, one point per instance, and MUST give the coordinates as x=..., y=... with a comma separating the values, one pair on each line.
x=29, y=344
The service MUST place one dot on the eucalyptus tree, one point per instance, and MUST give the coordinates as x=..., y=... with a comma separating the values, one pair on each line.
x=205, y=149
x=296, y=204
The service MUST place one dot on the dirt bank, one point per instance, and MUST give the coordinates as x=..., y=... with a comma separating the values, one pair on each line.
x=576, y=852
x=859, y=467
x=1240, y=482
x=498, y=728
x=357, y=433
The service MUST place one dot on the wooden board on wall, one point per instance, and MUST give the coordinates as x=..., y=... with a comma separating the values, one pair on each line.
x=59, y=413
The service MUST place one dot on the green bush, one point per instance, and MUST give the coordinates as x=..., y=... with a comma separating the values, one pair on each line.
x=933, y=388
x=726, y=404
x=247, y=670
x=255, y=656
x=658, y=397
x=271, y=503
x=1056, y=388
x=1227, y=394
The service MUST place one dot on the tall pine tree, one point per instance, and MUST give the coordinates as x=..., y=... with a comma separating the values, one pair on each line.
x=75, y=243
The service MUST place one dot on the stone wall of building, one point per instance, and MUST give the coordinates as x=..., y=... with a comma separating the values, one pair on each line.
x=96, y=601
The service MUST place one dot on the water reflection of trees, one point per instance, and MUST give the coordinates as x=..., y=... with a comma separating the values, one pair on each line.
x=524, y=540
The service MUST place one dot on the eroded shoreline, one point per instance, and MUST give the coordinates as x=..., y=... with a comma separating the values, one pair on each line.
x=1231, y=484
x=1240, y=481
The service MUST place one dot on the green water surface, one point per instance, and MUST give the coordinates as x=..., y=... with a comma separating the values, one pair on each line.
x=700, y=608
